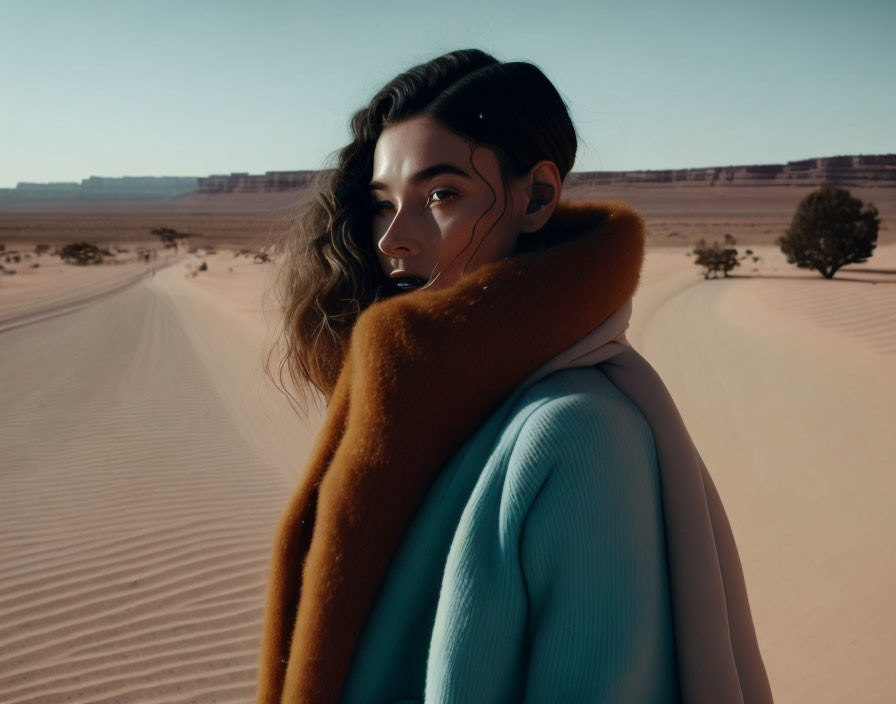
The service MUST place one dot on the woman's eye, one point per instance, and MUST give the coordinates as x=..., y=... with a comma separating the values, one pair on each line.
x=441, y=196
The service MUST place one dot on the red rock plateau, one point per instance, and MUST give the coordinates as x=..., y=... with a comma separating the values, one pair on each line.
x=752, y=203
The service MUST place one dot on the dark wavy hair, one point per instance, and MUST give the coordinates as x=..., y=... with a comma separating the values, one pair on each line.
x=330, y=273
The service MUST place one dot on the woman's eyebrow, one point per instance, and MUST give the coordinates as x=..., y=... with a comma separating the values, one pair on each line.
x=426, y=174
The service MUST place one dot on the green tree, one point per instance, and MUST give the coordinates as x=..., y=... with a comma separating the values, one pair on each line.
x=829, y=230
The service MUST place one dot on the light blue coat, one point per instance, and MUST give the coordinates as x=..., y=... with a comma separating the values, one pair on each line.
x=535, y=569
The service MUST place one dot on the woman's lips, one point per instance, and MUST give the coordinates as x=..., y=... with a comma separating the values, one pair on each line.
x=404, y=281
x=408, y=283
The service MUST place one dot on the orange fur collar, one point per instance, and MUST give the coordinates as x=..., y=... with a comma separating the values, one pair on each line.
x=378, y=451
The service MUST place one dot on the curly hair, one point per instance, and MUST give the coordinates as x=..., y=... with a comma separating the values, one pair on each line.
x=330, y=272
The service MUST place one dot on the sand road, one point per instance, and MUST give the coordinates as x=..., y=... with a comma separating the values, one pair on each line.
x=136, y=513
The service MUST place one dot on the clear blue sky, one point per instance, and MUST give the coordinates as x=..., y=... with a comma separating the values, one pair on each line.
x=190, y=87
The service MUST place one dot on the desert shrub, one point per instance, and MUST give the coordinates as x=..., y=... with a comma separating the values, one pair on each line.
x=41, y=248
x=203, y=267
x=716, y=258
x=170, y=236
x=261, y=257
x=81, y=253
x=829, y=230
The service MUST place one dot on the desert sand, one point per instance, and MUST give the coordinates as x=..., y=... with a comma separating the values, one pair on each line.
x=146, y=458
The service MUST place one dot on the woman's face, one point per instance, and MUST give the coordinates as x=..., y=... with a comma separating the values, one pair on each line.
x=439, y=204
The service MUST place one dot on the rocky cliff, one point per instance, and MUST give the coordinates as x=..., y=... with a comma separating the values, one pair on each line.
x=101, y=188
x=252, y=183
x=840, y=170
x=865, y=171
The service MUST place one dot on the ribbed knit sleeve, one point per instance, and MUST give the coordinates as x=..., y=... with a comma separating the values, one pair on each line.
x=592, y=557
x=555, y=587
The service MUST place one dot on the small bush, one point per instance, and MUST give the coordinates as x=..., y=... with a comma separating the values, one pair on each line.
x=81, y=253
x=203, y=267
x=41, y=248
x=715, y=258
x=170, y=236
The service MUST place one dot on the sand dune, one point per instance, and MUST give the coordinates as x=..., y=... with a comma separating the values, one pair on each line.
x=146, y=459
x=787, y=383
x=136, y=514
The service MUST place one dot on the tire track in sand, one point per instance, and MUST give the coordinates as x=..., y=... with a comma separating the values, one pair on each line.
x=136, y=518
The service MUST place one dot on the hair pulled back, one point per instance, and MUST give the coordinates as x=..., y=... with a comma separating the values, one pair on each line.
x=330, y=273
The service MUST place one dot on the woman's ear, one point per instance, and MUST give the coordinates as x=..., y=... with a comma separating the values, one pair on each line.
x=541, y=187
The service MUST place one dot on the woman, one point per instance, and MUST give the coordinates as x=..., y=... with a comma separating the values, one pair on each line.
x=503, y=504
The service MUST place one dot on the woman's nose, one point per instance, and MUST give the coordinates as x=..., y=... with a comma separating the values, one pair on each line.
x=399, y=240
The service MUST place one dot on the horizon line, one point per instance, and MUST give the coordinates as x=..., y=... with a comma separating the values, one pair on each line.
x=573, y=171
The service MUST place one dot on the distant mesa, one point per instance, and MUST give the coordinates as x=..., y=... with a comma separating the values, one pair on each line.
x=839, y=170
x=879, y=170
x=862, y=170
x=102, y=188
x=251, y=183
